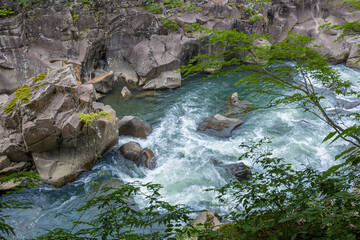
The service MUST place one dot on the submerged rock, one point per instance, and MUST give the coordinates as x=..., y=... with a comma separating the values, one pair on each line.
x=219, y=125
x=347, y=104
x=239, y=170
x=134, y=126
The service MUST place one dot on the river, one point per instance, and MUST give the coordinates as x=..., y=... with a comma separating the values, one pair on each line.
x=185, y=157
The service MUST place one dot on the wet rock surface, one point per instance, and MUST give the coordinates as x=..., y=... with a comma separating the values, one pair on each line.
x=219, y=125
x=141, y=157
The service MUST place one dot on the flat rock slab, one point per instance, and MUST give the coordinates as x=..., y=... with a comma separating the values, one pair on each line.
x=219, y=125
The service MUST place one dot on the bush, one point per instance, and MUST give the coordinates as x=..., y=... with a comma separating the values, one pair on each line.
x=6, y=12
x=255, y=18
x=153, y=7
x=282, y=203
x=169, y=24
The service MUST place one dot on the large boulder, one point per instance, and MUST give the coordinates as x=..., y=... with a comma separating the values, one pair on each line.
x=131, y=151
x=141, y=157
x=219, y=125
x=134, y=126
x=48, y=130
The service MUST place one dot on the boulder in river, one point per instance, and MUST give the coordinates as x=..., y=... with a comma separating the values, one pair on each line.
x=45, y=130
x=237, y=107
x=239, y=170
x=141, y=157
x=219, y=125
x=147, y=159
x=134, y=126
x=131, y=151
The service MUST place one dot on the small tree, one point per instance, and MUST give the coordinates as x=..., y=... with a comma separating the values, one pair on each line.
x=293, y=65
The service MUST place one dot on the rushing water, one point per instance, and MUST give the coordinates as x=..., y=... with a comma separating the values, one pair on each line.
x=185, y=157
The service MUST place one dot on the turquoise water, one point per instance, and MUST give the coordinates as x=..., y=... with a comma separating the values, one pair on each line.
x=185, y=157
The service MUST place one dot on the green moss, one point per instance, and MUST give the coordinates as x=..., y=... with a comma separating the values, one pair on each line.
x=90, y=117
x=40, y=77
x=23, y=94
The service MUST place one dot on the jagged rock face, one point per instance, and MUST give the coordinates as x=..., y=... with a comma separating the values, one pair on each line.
x=306, y=17
x=126, y=40
x=47, y=130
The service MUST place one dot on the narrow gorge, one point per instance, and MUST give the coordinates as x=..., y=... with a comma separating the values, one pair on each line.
x=93, y=92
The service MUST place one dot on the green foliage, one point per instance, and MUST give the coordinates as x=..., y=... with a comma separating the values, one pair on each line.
x=27, y=2
x=270, y=70
x=255, y=18
x=153, y=7
x=75, y=17
x=191, y=7
x=86, y=2
x=27, y=179
x=173, y=3
x=6, y=12
x=169, y=24
x=282, y=203
x=119, y=218
x=89, y=118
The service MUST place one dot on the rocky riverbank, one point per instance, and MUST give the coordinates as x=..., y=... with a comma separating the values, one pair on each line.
x=77, y=50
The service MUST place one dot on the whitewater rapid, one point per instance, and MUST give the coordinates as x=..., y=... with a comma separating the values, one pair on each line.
x=185, y=158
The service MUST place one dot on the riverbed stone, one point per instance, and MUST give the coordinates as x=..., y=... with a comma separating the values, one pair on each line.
x=125, y=93
x=131, y=151
x=147, y=159
x=219, y=125
x=134, y=126
x=239, y=170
